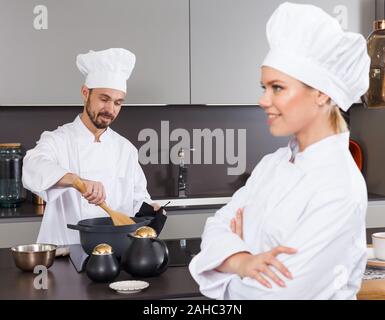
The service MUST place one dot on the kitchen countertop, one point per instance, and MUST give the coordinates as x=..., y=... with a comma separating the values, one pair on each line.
x=30, y=211
x=65, y=283
x=25, y=210
x=372, y=290
x=375, y=197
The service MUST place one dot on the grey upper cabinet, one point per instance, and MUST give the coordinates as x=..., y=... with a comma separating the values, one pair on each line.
x=38, y=66
x=228, y=44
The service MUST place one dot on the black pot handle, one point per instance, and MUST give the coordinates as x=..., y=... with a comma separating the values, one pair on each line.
x=78, y=227
x=164, y=264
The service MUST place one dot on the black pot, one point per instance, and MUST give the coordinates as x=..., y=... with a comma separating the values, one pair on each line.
x=102, y=268
x=101, y=230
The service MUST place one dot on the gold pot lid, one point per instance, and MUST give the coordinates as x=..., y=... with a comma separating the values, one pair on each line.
x=145, y=232
x=102, y=249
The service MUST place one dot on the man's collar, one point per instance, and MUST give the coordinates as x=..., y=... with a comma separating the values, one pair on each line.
x=84, y=133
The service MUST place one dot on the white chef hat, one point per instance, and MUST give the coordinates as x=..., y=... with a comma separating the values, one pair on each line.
x=308, y=44
x=107, y=68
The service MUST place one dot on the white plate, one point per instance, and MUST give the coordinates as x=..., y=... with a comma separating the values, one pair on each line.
x=129, y=286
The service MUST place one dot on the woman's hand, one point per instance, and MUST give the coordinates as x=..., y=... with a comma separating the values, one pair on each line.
x=259, y=266
x=236, y=223
x=256, y=266
x=95, y=193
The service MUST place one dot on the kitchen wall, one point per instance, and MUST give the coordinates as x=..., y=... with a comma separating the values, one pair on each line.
x=25, y=124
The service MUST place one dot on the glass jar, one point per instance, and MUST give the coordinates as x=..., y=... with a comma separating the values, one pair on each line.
x=12, y=192
x=375, y=96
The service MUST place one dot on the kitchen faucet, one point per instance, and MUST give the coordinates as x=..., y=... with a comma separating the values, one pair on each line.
x=182, y=174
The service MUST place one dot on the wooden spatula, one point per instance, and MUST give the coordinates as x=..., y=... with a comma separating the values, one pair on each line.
x=118, y=218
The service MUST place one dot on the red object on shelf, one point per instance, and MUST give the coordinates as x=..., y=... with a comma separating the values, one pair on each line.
x=356, y=151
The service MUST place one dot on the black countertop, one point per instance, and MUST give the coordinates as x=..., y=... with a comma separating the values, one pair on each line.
x=30, y=210
x=376, y=197
x=25, y=210
x=64, y=283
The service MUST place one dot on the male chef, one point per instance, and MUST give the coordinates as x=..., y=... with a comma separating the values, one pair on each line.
x=89, y=149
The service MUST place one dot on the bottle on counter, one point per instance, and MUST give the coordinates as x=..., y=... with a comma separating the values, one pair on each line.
x=375, y=96
x=12, y=192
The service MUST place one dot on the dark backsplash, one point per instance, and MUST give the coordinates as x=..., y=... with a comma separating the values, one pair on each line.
x=368, y=128
x=25, y=124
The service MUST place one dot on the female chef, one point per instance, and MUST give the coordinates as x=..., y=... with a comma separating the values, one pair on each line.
x=296, y=230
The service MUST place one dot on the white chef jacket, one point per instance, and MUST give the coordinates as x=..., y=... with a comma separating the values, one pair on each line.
x=316, y=205
x=71, y=148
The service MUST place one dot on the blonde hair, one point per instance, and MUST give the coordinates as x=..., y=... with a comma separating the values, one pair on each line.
x=336, y=118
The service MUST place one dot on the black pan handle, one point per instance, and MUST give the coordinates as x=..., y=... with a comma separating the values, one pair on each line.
x=79, y=227
x=162, y=207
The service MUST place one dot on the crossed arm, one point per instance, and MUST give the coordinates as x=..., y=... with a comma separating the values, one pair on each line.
x=257, y=266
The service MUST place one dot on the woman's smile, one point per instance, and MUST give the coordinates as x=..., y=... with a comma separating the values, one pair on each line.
x=271, y=117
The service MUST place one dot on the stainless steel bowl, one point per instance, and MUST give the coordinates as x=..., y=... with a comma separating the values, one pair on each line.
x=27, y=257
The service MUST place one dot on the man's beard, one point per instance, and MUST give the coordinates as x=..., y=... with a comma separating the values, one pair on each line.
x=96, y=119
